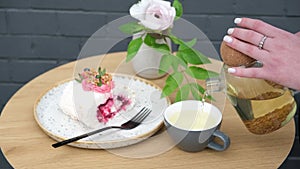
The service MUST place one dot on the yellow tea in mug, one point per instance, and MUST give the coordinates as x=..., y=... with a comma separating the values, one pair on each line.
x=192, y=120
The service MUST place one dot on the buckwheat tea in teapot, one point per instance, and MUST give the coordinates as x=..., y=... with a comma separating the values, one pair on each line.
x=262, y=105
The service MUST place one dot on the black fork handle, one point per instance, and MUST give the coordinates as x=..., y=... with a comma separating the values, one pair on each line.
x=64, y=142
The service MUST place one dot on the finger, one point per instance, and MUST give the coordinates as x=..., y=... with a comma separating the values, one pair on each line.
x=246, y=48
x=249, y=36
x=246, y=72
x=259, y=26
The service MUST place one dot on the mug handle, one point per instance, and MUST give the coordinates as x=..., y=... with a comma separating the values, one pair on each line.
x=215, y=146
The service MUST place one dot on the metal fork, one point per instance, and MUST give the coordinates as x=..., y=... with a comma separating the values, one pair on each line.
x=132, y=123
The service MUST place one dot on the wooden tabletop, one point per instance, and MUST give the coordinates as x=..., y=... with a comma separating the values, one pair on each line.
x=25, y=145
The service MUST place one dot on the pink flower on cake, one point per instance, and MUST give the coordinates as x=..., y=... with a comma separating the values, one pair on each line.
x=154, y=14
x=97, y=81
x=105, y=88
x=87, y=86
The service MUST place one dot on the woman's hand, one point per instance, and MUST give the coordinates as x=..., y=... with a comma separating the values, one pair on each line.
x=279, y=51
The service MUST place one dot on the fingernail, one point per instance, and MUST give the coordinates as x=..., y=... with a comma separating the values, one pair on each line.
x=230, y=31
x=231, y=70
x=227, y=39
x=237, y=20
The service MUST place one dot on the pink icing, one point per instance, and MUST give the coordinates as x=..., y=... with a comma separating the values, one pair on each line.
x=105, y=88
x=86, y=85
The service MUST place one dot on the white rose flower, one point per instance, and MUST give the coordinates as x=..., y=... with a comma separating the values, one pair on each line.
x=157, y=15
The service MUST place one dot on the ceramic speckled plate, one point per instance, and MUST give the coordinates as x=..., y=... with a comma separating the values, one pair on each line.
x=59, y=126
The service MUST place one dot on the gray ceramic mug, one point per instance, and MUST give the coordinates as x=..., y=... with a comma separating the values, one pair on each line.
x=193, y=126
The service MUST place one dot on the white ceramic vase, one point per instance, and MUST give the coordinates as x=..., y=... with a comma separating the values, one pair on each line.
x=147, y=60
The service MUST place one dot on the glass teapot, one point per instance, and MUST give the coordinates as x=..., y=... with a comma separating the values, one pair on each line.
x=262, y=105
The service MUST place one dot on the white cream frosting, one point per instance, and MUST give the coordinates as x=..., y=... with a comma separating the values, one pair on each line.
x=82, y=105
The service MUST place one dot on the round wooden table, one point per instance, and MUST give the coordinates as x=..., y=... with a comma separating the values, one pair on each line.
x=25, y=145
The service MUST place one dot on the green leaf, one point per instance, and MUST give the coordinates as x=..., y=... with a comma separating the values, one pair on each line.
x=133, y=48
x=190, y=44
x=78, y=80
x=200, y=73
x=99, y=83
x=131, y=28
x=197, y=87
x=101, y=72
x=172, y=83
x=177, y=77
x=201, y=90
x=179, y=61
x=80, y=76
x=189, y=54
x=178, y=7
x=151, y=41
x=196, y=94
x=175, y=39
x=167, y=90
x=183, y=93
x=171, y=60
x=209, y=97
x=193, y=56
x=165, y=63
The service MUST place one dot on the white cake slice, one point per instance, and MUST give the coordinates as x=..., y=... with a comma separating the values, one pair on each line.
x=82, y=105
x=93, y=99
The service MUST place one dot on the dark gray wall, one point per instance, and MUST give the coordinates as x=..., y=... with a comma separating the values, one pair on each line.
x=37, y=35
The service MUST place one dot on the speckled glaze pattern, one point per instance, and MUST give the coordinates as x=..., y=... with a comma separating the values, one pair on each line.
x=60, y=126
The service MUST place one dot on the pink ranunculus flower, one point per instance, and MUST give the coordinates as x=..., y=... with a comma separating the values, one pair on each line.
x=105, y=88
x=157, y=15
x=86, y=85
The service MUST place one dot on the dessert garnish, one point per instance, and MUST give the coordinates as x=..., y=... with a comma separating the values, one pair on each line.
x=98, y=81
x=102, y=84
